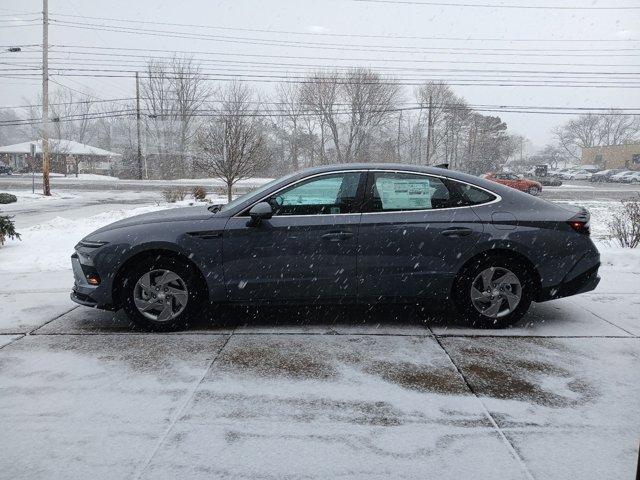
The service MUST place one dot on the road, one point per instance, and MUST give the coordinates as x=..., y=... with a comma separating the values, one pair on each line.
x=570, y=190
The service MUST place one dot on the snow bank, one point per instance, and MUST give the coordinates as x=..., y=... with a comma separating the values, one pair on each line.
x=47, y=246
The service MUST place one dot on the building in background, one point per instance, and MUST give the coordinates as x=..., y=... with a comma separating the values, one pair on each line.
x=67, y=157
x=613, y=156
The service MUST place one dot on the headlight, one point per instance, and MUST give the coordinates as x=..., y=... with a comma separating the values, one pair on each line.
x=90, y=244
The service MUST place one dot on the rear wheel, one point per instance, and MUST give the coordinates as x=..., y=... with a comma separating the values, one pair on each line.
x=535, y=191
x=162, y=294
x=493, y=292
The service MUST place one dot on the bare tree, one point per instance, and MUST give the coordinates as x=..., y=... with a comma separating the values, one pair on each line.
x=290, y=104
x=367, y=102
x=71, y=116
x=191, y=93
x=232, y=142
x=591, y=130
x=173, y=93
x=436, y=99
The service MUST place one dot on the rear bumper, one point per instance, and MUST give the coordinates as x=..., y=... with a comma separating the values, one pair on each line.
x=583, y=282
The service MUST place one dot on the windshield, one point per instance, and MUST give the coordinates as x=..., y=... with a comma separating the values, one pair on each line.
x=238, y=200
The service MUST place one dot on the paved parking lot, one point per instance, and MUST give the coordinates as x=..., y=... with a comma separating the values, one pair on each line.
x=324, y=393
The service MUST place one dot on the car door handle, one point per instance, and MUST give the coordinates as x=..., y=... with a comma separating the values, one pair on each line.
x=457, y=232
x=337, y=236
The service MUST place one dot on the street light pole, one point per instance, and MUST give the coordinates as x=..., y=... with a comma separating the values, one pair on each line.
x=46, y=188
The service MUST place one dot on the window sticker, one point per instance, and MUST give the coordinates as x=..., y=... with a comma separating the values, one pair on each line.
x=404, y=194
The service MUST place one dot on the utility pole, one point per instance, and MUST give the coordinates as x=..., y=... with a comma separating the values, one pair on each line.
x=399, y=135
x=46, y=188
x=429, y=129
x=138, y=126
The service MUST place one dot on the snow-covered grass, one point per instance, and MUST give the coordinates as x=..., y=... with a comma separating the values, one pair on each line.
x=47, y=246
x=25, y=196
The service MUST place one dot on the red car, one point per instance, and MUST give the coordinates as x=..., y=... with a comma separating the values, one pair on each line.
x=515, y=181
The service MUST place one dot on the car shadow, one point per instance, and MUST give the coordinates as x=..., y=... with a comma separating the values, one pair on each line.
x=556, y=317
x=225, y=319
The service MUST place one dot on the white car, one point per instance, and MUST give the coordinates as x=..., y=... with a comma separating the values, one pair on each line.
x=618, y=177
x=580, y=174
x=631, y=177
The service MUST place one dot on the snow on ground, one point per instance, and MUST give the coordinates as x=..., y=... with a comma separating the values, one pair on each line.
x=81, y=176
x=47, y=246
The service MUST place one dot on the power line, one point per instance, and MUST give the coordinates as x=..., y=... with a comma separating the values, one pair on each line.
x=346, y=35
x=106, y=100
x=129, y=65
x=306, y=80
x=320, y=66
x=371, y=60
x=498, y=5
x=279, y=103
x=20, y=14
x=271, y=114
x=271, y=42
x=410, y=81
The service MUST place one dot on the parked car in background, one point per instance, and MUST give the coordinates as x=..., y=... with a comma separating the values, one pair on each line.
x=5, y=169
x=345, y=233
x=618, y=176
x=605, y=175
x=548, y=181
x=580, y=174
x=516, y=181
x=559, y=173
x=631, y=177
x=591, y=168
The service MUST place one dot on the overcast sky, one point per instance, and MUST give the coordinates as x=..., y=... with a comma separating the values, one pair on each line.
x=564, y=38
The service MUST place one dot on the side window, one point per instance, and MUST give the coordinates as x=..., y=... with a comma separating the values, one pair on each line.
x=404, y=192
x=326, y=195
x=471, y=195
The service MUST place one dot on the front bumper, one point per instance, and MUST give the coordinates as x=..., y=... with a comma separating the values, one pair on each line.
x=84, y=293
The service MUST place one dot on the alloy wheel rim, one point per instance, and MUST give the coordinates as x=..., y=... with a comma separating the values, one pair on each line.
x=496, y=292
x=160, y=295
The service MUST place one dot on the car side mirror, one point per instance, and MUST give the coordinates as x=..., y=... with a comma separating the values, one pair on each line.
x=260, y=211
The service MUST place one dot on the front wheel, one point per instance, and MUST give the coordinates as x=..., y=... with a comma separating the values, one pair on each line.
x=535, y=191
x=493, y=292
x=162, y=294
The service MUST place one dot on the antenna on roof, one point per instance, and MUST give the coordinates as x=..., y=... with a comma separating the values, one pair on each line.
x=442, y=165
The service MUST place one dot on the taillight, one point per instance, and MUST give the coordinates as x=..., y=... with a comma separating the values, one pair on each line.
x=580, y=227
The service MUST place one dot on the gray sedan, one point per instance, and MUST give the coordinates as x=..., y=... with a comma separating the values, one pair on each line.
x=357, y=233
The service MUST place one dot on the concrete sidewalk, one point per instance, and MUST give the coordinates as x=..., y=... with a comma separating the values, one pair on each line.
x=323, y=393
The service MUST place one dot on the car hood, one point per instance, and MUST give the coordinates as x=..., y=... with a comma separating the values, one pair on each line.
x=160, y=216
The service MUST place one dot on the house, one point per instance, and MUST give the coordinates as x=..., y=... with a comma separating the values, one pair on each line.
x=67, y=157
x=613, y=156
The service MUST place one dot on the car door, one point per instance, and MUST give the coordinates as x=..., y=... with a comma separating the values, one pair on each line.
x=306, y=251
x=412, y=237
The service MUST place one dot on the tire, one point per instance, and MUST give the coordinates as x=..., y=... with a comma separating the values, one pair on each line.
x=471, y=277
x=535, y=191
x=162, y=287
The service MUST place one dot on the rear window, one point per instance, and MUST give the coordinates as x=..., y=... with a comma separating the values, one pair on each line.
x=472, y=195
x=396, y=191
